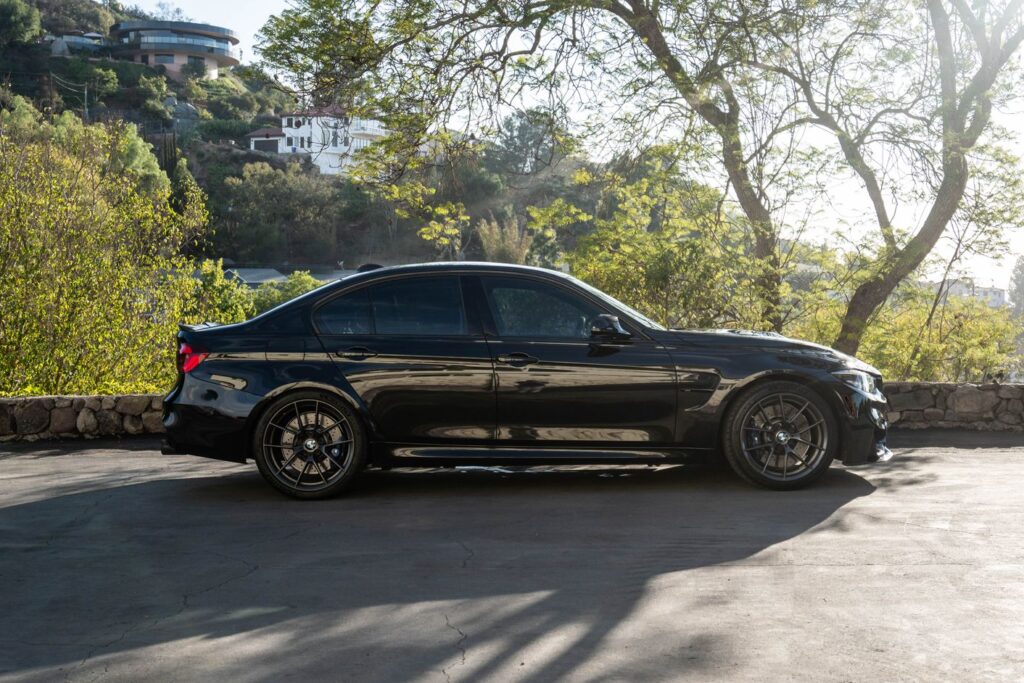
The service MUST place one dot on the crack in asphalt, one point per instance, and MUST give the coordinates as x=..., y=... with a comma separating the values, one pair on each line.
x=469, y=554
x=458, y=645
x=185, y=598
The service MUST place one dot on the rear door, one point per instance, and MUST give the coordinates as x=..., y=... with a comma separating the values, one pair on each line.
x=556, y=385
x=419, y=362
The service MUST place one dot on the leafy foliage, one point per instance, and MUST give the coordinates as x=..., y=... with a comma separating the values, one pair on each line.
x=271, y=294
x=19, y=22
x=91, y=277
x=268, y=215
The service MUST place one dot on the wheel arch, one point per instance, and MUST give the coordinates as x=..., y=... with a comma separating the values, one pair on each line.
x=350, y=400
x=738, y=391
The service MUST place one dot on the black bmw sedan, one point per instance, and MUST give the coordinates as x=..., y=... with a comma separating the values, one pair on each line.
x=449, y=364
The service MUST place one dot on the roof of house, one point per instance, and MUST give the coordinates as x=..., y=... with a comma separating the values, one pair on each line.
x=266, y=133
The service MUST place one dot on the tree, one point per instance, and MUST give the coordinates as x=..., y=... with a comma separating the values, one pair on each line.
x=19, y=22
x=904, y=94
x=663, y=250
x=271, y=294
x=1017, y=287
x=91, y=277
x=129, y=155
x=504, y=240
x=273, y=216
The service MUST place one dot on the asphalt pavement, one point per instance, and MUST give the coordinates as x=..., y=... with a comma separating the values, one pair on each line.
x=118, y=563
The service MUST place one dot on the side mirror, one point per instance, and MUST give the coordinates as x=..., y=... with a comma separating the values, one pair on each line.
x=608, y=328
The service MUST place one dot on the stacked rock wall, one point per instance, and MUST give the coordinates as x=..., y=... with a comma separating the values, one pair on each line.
x=48, y=417
x=912, y=405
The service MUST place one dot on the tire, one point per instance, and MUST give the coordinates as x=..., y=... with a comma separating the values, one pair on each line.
x=780, y=435
x=309, y=445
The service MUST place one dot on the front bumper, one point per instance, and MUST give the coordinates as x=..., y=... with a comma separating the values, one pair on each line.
x=864, y=427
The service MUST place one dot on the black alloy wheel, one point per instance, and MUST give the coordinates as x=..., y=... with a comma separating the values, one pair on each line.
x=780, y=435
x=309, y=445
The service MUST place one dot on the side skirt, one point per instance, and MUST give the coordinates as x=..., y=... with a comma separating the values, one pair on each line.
x=410, y=455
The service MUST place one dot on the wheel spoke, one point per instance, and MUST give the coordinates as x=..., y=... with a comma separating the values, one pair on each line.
x=319, y=471
x=810, y=427
x=790, y=451
x=288, y=462
x=337, y=464
x=283, y=429
x=334, y=424
x=336, y=443
x=809, y=443
x=799, y=413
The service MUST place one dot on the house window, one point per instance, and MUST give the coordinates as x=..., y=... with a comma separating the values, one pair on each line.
x=291, y=142
x=196, y=61
x=164, y=59
x=309, y=141
x=334, y=139
x=289, y=125
x=302, y=143
x=145, y=59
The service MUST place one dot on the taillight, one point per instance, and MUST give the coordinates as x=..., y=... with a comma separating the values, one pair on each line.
x=189, y=358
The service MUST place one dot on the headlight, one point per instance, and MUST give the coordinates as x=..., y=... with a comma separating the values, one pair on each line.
x=858, y=379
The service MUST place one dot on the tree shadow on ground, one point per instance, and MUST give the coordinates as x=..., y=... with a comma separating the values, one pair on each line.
x=398, y=580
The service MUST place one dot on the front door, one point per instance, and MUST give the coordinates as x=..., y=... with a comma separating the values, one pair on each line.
x=414, y=358
x=557, y=385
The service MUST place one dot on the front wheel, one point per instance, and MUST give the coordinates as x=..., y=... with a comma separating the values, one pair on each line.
x=309, y=445
x=781, y=435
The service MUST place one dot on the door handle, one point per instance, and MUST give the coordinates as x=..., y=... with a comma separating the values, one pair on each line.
x=517, y=359
x=356, y=353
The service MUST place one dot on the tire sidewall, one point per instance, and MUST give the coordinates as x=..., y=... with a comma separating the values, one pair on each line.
x=359, y=444
x=732, y=430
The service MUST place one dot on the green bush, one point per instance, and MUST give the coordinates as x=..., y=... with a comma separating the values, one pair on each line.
x=92, y=281
x=271, y=294
x=219, y=129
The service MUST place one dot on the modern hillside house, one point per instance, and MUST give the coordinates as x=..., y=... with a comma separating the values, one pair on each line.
x=174, y=44
x=326, y=135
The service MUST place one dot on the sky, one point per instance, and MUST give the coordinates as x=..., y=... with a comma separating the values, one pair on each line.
x=246, y=18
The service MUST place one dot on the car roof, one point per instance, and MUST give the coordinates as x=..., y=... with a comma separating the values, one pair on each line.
x=412, y=268
x=463, y=265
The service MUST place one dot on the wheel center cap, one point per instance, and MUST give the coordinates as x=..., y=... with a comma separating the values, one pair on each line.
x=782, y=437
x=310, y=445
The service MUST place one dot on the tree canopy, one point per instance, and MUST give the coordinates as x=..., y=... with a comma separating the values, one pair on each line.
x=779, y=102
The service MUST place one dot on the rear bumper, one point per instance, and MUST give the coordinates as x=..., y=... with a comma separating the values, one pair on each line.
x=202, y=418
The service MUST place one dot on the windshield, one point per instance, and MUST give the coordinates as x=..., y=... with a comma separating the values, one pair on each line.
x=632, y=312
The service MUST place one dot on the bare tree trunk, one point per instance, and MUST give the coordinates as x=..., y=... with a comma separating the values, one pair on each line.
x=871, y=294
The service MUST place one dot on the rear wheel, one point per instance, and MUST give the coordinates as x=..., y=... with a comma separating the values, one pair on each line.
x=780, y=435
x=309, y=445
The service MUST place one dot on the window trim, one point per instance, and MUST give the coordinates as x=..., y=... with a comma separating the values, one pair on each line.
x=473, y=328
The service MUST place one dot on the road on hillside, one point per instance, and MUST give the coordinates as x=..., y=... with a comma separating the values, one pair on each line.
x=119, y=563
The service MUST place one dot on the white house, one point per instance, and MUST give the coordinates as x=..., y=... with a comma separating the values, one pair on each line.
x=326, y=135
x=994, y=297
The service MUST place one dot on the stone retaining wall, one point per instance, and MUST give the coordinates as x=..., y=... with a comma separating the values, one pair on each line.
x=51, y=417
x=912, y=405
x=985, y=407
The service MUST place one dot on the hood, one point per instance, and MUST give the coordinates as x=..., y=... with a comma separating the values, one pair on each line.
x=767, y=341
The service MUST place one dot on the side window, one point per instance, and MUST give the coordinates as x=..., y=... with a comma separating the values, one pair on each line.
x=419, y=306
x=348, y=314
x=522, y=308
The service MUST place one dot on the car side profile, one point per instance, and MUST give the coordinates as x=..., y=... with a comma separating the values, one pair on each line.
x=449, y=364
